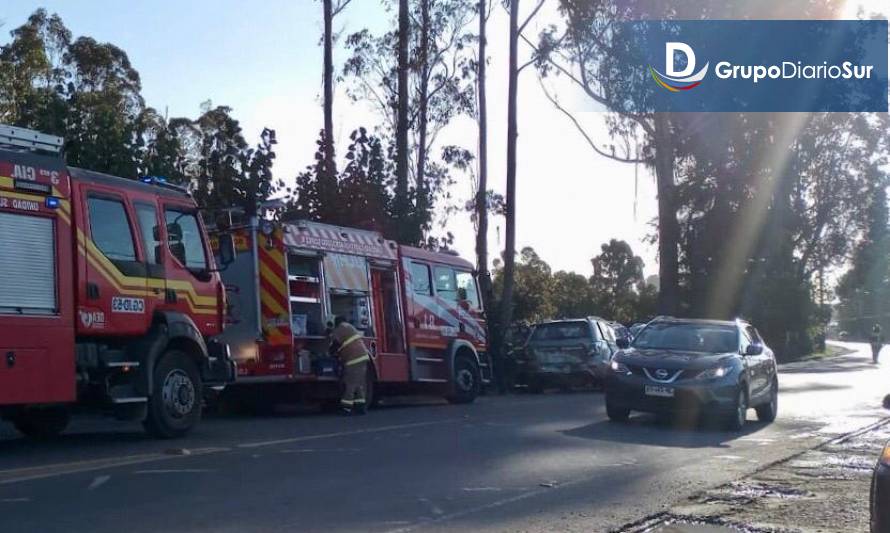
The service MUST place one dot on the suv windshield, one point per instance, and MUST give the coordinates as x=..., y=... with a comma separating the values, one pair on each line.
x=707, y=338
x=555, y=331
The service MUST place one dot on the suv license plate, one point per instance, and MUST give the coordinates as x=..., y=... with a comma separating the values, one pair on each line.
x=655, y=390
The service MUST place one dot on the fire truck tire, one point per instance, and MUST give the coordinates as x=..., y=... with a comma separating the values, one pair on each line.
x=176, y=400
x=42, y=423
x=467, y=380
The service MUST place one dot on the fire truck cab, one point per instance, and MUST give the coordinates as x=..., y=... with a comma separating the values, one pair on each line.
x=419, y=311
x=109, y=295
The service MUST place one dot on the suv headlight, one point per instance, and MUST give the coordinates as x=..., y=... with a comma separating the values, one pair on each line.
x=714, y=373
x=620, y=368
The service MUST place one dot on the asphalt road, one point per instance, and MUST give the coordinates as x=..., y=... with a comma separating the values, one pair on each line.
x=519, y=463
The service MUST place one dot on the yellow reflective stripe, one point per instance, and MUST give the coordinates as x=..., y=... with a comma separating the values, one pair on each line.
x=6, y=182
x=346, y=402
x=131, y=282
x=361, y=359
x=109, y=272
x=63, y=211
x=350, y=340
x=359, y=400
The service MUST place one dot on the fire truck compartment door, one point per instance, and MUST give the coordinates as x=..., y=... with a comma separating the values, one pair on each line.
x=27, y=265
x=346, y=272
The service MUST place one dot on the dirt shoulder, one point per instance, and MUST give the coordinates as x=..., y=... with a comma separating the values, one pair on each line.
x=824, y=490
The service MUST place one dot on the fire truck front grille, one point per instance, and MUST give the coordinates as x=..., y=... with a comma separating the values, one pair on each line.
x=27, y=265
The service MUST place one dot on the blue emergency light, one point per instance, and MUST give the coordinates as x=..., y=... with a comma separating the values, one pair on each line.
x=153, y=179
x=52, y=202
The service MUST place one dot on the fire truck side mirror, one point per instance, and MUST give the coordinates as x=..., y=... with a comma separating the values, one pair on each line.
x=226, y=249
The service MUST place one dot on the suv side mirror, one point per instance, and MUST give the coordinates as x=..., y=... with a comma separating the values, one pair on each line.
x=754, y=349
x=623, y=342
x=226, y=249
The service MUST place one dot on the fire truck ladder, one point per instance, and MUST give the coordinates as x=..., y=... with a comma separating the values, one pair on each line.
x=30, y=140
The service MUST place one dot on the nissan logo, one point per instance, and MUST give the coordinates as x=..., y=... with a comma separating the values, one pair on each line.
x=661, y=373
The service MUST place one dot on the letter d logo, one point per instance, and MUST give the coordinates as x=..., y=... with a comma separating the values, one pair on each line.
x=678, y=80
x=669, y=59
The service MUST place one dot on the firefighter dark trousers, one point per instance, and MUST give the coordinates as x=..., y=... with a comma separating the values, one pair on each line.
x=354, y=378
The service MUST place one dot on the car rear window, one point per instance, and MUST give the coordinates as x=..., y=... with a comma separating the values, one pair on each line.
x=560, y=330
x=706, y=338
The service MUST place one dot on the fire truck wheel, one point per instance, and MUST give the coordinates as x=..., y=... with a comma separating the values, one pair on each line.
x=43, y=422
x=175, y=404
x=466, y=380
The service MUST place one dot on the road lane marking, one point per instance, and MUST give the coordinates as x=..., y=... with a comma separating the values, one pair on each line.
x=328, y=450
x=435, y=509
x=15, y=500
x=488, y=506
x=336, y=434
x=98, y=481
x=19, y=475
x=175, y=471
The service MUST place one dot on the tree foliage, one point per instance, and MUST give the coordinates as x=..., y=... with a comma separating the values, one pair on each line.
x=753, y=207
x=616, y=290
x=864, y=290
x=440, y=87
x=89, y=93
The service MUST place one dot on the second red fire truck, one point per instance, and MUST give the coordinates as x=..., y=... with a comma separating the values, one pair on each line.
x=419, y=311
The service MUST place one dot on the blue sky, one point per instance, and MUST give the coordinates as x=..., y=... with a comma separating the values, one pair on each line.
x=262, y=58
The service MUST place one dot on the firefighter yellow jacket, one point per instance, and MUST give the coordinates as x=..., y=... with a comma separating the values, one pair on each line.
x=349, y=340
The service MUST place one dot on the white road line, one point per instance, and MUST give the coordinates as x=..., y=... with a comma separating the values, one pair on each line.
x=20, y=475
x=329, y=450
x=481, y=489
x=15, y=500
x=488, y=506
x=98, y=481
x=435, y=509
x=305, y=438
x=175, y=471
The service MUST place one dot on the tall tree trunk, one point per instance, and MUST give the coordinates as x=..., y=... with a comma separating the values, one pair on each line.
x=668, y=227
x=506, y=311
x=401, y=199
x=328, y=78
x=482, y=193
x=423, y=111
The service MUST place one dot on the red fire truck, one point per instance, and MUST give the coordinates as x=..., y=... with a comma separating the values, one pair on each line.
x=109, y=297
x=419, y=311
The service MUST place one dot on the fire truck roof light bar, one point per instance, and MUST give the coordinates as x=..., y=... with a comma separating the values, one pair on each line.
x=161, y=181
x=30, y=139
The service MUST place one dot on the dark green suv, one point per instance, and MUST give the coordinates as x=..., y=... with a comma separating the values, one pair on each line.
x=566, y=354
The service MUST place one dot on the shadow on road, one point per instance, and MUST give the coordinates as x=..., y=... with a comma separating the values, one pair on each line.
x=648, y=430
x=23, y=452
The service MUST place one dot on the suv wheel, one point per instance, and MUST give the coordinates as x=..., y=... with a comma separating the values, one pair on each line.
x=736, y=420
x=768, y=411
x=615, y=413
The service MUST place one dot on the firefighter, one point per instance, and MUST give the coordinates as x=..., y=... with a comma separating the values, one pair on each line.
x=348, y=346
